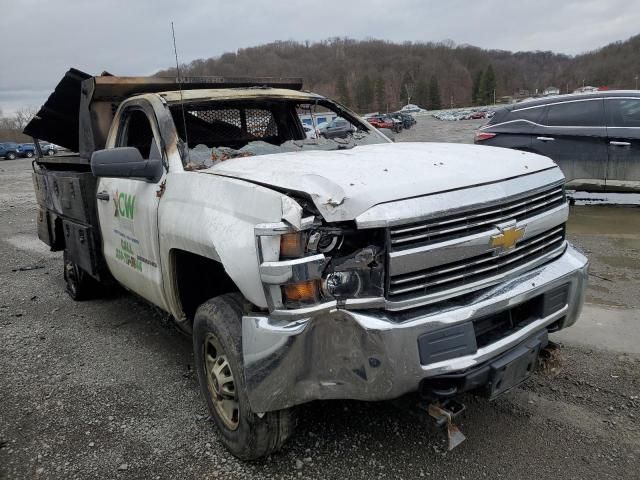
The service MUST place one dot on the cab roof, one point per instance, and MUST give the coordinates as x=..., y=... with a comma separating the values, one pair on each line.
x=175, y=96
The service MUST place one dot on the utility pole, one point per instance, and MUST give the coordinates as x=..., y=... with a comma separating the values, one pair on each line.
x=636, y=81
x=494, y=96
x=583, y=83
x=567, y=87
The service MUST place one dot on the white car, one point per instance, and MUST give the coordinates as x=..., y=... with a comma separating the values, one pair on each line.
x=411, y=108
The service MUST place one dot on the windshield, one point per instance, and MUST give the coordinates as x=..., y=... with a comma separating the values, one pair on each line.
x=222, y=130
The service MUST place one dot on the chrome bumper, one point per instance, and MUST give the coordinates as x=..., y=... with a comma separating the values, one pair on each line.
x=373, y=354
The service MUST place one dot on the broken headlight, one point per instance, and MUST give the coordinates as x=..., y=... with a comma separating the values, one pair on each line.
x=322, y=265
x=358, y=275
x=355, y=267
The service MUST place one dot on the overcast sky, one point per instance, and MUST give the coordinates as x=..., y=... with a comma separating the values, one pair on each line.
x=42, y=39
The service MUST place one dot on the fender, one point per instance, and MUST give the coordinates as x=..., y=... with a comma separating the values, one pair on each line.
x=215, y=217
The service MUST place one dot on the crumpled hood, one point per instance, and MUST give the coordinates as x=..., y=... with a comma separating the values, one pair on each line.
x=345, y=183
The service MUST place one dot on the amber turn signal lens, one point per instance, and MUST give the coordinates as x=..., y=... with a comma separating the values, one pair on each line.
x=302, y=292
x=291, y=245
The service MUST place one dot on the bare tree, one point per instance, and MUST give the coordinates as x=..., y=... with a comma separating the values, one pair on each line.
x=23, y=116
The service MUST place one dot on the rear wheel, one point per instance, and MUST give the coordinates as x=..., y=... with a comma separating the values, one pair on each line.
x=80, y=285
x=11, y=156
x=217, y=345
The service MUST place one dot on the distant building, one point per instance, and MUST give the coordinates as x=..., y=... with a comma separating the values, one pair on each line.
x=551, y=91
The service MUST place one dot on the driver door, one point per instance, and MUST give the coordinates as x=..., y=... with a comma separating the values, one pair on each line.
x=128, y=210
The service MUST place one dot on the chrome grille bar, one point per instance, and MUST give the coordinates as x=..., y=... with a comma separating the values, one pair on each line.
x=474, y=221
x=475, y=268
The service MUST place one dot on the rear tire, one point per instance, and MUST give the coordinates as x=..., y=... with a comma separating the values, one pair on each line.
x=11, y=156
x=217, y=346
x=80, y=285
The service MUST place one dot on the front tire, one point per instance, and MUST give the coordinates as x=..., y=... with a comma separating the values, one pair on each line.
x=29, y=154
x=217, y=346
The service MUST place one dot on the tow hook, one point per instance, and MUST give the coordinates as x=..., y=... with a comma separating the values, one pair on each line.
x=444, y=412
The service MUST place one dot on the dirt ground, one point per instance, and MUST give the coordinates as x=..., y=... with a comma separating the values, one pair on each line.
x=105, y=389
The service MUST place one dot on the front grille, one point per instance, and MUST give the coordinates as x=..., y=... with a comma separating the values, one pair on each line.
x=475, y=221
x=474, y=269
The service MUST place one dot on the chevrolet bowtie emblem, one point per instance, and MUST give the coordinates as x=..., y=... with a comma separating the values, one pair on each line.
x=507, y=238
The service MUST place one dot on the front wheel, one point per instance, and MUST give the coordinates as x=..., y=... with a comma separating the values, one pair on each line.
x=29, y=154
x=51, y=153
x=217, y=346
x=80, y=285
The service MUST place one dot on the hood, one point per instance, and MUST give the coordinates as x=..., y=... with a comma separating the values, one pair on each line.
x=345, y=183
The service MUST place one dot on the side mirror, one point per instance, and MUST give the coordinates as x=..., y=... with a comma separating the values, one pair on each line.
x=125, y=162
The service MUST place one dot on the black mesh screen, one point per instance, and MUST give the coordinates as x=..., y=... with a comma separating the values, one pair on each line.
x=249, y=123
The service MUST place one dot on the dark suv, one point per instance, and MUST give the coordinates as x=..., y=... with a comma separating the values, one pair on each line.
x=8, y=150
x=594, y=137
x=338, y=127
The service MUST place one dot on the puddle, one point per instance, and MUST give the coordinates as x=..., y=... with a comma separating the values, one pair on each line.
x=623, y=222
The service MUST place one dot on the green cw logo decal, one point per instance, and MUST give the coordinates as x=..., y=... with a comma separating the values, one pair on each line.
x=124, y=204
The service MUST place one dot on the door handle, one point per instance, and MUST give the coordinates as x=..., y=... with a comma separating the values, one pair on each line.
x=545, y=139
x=620, y=144
x=104, y=196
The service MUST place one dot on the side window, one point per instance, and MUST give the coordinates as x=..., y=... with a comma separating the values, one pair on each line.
x=623, y=112
x=587, y=113
x=530, y=114
x=136, y=132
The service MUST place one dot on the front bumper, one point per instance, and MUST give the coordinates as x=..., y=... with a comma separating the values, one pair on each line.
x=374, y=354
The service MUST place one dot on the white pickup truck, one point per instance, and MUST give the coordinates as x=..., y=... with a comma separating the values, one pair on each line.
x=305, y=268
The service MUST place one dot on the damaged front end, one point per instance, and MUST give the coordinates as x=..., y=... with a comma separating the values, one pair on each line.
x=320, y=267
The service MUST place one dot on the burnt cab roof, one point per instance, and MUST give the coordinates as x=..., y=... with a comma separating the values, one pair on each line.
x=78, y=114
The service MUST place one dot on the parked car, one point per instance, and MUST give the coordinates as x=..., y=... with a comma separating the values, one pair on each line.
x=8, y=150
x=385, y=121
x=49, y=148
x=593, y=137
x=336, y=128
x=407, y=120
x=361, y=270
x=410, y=108
x=28, y=150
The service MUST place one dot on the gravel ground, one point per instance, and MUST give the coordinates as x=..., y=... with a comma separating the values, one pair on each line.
x=105, y=389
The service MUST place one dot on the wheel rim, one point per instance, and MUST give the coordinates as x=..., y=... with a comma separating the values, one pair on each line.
x=221, y=384
x=71, y=275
